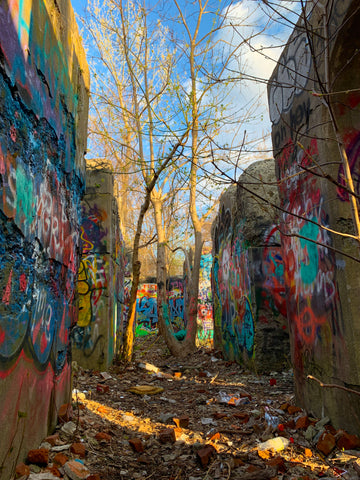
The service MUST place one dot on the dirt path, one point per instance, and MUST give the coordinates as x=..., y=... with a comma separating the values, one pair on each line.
x=182, y=431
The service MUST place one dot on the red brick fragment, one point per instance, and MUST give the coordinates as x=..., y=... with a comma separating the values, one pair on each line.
x=100, y=388
x=204, y=454
x=219, y=415
x=279, y=463
x=238, y=462
x=202, y=374
x=326, y=443
x=253, y=468
x=292, y=409
x=103, y=436
x=182, y=421
x=243, y=417
x=65, y=413
x=167, y=435
x=330, y=429
x=52, y=439
x=94, y=476
x=54, y=470
x=60, y=459
x=78, y=449
x=39, y=456
x=302, y=423
x=290, y=425
x=136, y=444
x=22, y=470
x=346, y=441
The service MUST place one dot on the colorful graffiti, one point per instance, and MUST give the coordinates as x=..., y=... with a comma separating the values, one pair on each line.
x=310, y=266
x=205, y=308
x=92, y=280
x=234, y=327
x=41, y=185
x=146, y=309
x=175, y=300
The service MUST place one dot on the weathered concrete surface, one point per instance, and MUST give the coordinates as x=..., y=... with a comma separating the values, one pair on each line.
x=322, y=286
x=44, y=85
x=249, y=307
x=101, y=273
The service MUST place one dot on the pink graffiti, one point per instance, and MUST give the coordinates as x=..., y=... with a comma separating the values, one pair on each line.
x=23, y=282
x=7, y=290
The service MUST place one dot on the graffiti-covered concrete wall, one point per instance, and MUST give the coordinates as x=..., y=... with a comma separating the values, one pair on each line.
x=250, y=323
x=322, y=285
x=43, y=121
x=205, y=306
x=146, y=305
x=101, y=273
x=146, y=309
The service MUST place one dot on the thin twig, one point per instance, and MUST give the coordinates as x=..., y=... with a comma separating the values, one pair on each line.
x=333, y=385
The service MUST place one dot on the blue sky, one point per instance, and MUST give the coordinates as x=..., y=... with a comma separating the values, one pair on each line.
x=253, y=17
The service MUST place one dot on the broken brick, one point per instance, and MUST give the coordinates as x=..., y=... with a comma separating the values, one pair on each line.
x=102, y=388
x=94, y=476
x=103, y=436
x=65, y=413
x=39, y=456
x=60, y=459
x=76, y=470
x=181, y=421
x=52, y=439
x=326, y=443
x=346, y=441
x=219, y=415
x=202, y=374
x=290, y=425
x=302, y=423
x=253, y=468
x=292, y=409
x=204, y=454
x=78, y=449
x=167, y=435
x=238, y=462
x=279, y=463
x=22, y=470
x=136, y=444
x=243, y=417
x=54, y=470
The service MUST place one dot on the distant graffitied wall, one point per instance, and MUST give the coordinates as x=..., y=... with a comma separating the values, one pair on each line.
x=322, y=285
x=205, y=307
x=146, y=305
x=247, y=278
x=146, y=309
x=175, y=296
x=101, y=273
x=43, y=122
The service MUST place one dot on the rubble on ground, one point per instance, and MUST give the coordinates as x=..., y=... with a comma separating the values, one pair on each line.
x=195, y=419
